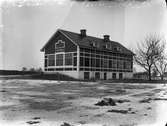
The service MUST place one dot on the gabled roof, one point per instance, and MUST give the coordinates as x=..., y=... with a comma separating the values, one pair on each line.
x=85, y=42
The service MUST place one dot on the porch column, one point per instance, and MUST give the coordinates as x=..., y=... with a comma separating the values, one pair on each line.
x=78, y=60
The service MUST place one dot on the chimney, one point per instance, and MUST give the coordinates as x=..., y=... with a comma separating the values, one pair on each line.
x=83, y=32
x=106, y=38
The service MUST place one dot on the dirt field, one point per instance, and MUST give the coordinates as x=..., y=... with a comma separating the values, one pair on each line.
x=51, y=103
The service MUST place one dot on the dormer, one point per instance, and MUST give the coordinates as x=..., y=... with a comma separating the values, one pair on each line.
x=117, y=49
x=92, y=44
x=105, y=46
x=108, y=45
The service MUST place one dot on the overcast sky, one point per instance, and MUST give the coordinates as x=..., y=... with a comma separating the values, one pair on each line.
x=27, y=26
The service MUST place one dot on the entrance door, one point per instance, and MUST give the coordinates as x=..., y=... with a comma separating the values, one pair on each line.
x=105, y=76
x=97, y=75
x=120, y=76
x=86, y=75
x=113, y=75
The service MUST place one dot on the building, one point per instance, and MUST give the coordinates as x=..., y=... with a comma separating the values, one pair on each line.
x=141, y=75
x=85, y=57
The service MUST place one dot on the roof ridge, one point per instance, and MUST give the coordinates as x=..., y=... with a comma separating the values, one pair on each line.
x=86, y=35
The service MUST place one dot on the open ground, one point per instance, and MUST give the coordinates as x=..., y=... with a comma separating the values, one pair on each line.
x=51, y=103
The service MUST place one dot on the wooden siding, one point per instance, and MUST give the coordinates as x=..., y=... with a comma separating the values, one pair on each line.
x=69, y=46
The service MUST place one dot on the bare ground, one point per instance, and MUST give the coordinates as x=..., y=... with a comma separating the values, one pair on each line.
x=51, y=103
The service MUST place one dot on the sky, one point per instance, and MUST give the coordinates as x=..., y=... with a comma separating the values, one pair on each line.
x=25, y=26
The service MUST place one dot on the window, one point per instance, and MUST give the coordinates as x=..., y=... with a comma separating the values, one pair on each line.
x=109, y=46
x=92, y=62
x=120, y=76
x=93, y=44
x=114, y=75
x=104, y=46
x=128, y=65
x=96, y=44
x=87, y=62
x=75, y=61
x=124, y=65
x=68, y=69
x=97, y=75
x=118, y=49
x=114, y=64
x=120, y=64
x=86, y=75
x=46, y=61
x=110, y=63
x=51, y=60
x=105, y=63
x=68, y=59
x=50, y=69
x=75, y=54
x=101, y=64
x=97, y=62
x=81, y=61
x=59, y=60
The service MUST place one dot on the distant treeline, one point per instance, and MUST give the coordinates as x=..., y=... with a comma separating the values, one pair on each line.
x=16, y=72
x=111, y=0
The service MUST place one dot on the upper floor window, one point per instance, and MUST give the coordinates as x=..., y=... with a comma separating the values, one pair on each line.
x=109, y=46
x=93, y=44
x=118, y=49
x=104, y=46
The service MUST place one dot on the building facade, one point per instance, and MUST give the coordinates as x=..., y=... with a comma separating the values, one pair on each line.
x=85, y=57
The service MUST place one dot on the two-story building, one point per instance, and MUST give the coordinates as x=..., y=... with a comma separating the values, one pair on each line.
x=86, y=57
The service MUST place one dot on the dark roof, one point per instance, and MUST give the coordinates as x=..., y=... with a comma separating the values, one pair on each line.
x=85, y=41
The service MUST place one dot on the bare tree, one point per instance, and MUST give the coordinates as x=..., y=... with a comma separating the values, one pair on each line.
x=148, y=52
x=24, y=69
x=32, y=69
x=161, y=66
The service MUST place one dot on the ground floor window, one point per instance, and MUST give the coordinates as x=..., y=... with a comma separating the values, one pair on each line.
x=51, y=60
x=113, y=75
x=97, y=75
x=120, y=76
x=68, y=59
x=46, y=62
x=75, y=61
x=105, y=76
x=86, y=75
x=59, y=60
